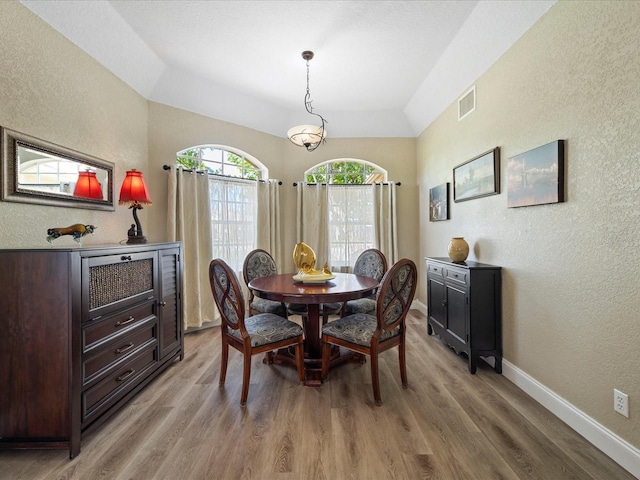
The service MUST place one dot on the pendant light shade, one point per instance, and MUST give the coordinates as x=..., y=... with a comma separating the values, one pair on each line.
x=306, y=135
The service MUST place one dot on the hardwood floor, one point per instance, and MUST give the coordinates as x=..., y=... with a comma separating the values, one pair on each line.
x=448, y=425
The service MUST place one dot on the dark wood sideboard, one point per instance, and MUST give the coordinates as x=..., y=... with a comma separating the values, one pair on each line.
x=464, y=302
x=84, y=330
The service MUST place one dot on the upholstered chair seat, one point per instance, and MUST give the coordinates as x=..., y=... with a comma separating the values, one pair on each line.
x=259, y=263
x=326, y=309
x=361, y=305
x=267, y=306
x=370, y=263
x=266, y=328
x=357, y=328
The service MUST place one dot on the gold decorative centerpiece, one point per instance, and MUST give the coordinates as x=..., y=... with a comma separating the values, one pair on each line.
x=304, y=259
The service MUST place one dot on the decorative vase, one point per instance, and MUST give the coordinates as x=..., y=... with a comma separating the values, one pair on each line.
x=458, y=249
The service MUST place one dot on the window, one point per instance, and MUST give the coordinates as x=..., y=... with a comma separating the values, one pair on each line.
x=221, y=161
x=351, y=208
x=346, y=172
x=233, y=198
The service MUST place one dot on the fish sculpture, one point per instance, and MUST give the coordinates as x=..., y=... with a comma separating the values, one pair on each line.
x=304, y=259
x=77, y=231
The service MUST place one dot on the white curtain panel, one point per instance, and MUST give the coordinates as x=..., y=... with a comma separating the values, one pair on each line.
x=189, y=221
x=351, y=224
x=386, y=220
x=312, y=219
x=269, y=226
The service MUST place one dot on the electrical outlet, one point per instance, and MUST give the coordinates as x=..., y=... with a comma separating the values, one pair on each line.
x=621, y=403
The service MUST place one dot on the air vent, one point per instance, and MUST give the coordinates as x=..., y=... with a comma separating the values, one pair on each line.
x=467, y=103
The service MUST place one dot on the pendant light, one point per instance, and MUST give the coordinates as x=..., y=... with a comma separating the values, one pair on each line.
x=308, y=136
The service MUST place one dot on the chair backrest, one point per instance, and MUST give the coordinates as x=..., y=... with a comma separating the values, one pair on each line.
x=371, y=263
x=396, y=293
x=258, y=263
x=227, y=294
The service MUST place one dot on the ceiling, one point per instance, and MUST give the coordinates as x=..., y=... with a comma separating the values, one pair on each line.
x=381, y=68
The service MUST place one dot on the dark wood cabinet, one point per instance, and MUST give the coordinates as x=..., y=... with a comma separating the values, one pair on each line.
x=464, y=302
x=85, y=330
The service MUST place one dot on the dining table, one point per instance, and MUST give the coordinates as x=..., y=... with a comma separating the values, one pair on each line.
x=341, y=288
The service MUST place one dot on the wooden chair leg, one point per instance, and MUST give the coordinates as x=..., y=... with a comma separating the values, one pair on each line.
x=326, y=353
x=224, y=359
x=300, y=360
x=403, y=364
x=246, y=377
x=375, y=379
x=268, y=358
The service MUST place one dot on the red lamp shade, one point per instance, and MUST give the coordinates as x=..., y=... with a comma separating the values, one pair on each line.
x=88, y=186
x=134, y=190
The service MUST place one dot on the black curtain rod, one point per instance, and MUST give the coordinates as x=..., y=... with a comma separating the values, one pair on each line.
x=295, y=184
x=202, y=172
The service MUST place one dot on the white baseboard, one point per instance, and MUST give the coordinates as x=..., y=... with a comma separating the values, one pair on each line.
x=622, y=452
x=418, y=305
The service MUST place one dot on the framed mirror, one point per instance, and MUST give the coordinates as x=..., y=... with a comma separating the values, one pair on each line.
x=40, y=172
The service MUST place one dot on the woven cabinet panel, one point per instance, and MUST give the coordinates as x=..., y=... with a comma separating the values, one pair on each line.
x=116, y=281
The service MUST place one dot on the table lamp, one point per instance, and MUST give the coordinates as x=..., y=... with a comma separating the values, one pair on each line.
x=88, y=186
x=135, y=194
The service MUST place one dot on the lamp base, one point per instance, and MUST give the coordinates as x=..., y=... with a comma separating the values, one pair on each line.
x=136, y=239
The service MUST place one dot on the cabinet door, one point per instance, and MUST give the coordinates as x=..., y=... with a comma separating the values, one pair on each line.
x=113, y=282
x=436, y=301
x=170, y=308
x=457, y=313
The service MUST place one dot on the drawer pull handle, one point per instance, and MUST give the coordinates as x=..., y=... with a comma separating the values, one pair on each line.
x=125, y=322
x=125, y=348
x=126, y=375
x=125, y=257
x=455, y=275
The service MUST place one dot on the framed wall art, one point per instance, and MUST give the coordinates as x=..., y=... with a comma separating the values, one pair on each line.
x=439, y=203
x=536, y=177
x=478, y=177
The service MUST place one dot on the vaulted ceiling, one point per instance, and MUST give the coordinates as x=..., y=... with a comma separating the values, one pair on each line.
x=381, y=68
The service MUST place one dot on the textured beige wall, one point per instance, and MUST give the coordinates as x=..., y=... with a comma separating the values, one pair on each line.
x=571, y=289
x=50, y=89
x=172, y=130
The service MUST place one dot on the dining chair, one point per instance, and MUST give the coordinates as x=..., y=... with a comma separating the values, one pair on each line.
x=259, y=263
x=370, y=263
x=259, y=333
x=373, y=334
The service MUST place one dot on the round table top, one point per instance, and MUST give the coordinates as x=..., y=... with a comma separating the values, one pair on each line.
x=282, y=288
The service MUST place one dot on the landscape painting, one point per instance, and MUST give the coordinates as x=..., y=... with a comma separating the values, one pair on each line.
x=439, y=203
x=536, y=177
x=478, y=177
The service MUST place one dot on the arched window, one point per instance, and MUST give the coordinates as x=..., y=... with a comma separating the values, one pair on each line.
x=233, y=176
x=351, y=211
x=346, y=171
x=221, y=160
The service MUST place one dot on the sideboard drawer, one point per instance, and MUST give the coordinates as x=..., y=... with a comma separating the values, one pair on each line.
x=121, y=323
x=102, y=395
x=435, y=269
x=99, y=363
x=457, y=275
